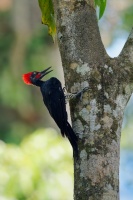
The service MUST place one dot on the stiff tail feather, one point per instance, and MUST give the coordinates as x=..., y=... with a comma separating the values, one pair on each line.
x=72, y=139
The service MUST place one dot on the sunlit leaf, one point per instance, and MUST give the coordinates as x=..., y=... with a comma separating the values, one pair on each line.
x=97, y=2
x=102, y=5
x=47, y=10
x=102, y=8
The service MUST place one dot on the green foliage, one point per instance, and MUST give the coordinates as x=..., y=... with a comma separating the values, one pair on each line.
x=39, y=169
x=37, y=50
x=47, y=10
x=20, y=105
x=127, y=136
x=102, y=5
x=6, y=38
x=127, y=17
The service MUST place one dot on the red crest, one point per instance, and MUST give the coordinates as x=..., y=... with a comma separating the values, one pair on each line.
x=26, y=78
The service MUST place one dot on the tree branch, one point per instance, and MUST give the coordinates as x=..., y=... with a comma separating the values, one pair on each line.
x=127, y=51
x=125, y=62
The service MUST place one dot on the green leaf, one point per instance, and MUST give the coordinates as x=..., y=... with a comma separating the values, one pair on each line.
x=47, y=10
x=102, y=5
x=102, y=8
x=97, y=2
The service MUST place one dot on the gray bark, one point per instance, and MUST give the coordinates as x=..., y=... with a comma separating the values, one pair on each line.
x=97, y=119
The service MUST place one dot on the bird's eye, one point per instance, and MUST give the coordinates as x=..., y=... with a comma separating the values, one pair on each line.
x=34, y=73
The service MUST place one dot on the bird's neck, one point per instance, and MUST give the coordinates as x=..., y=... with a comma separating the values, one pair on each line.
x=39, y=83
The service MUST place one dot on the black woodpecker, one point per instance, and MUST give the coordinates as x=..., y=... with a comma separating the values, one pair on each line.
x=54, y=100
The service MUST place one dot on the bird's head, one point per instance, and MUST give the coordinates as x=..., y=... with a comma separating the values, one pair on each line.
x=34, y=77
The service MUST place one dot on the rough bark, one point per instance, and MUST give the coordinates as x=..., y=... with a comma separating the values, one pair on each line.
x=97, y=119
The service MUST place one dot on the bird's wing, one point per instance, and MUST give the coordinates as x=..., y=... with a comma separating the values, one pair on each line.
x=55, y=103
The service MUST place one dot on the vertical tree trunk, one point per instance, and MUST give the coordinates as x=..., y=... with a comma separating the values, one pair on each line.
x=97, y=119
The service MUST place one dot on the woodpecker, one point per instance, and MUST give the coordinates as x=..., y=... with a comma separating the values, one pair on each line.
x=54, y=100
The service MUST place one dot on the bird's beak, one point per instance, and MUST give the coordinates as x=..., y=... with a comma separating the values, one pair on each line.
x=44, y=72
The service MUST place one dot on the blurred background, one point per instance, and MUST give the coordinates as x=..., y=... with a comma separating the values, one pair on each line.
x=35, y=162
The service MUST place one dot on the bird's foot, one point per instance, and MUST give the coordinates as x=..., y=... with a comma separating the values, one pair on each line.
x=80, y=94
x=69, y=96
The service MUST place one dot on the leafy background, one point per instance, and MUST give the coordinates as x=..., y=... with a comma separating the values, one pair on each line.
x=35, y=162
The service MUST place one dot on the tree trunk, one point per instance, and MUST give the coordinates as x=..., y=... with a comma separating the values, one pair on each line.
x=97, y=119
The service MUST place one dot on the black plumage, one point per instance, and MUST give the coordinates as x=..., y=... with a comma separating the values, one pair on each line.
x=54, y=100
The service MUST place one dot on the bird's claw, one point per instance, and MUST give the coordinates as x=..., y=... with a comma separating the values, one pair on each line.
x=82, y=91
x=69, y=96
x=64, y=89
x=85, y=88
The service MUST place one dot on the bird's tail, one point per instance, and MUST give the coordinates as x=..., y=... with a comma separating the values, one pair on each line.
x=72, y=139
